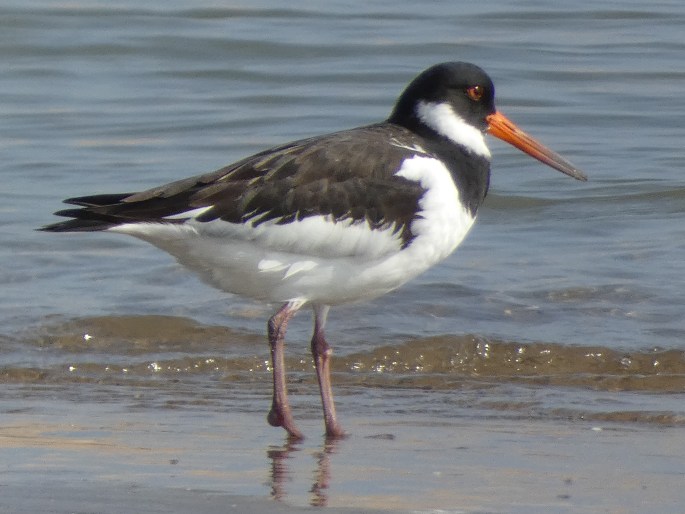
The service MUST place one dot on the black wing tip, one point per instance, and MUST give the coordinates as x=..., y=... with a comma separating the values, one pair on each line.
x=83, y=220
x=101, y=200
x=87, y=218
x=77, y=225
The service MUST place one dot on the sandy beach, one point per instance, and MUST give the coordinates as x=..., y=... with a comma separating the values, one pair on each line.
x=90, y=458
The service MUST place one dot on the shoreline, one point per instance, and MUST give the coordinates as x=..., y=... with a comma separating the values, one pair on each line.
x=96, y=458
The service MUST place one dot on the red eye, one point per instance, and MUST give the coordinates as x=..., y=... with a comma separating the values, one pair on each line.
x=475, y=93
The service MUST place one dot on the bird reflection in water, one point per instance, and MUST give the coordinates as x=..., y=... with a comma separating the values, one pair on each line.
x=281, y=472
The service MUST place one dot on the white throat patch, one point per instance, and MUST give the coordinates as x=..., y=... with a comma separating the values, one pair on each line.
x=442, y=118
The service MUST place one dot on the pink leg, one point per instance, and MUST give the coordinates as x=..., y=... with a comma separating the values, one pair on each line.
x=322, y=352
x=280, y=414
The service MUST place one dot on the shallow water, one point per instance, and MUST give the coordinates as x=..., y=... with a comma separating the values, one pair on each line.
x=564, y=305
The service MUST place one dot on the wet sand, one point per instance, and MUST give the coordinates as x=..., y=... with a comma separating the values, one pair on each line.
x=60, y=456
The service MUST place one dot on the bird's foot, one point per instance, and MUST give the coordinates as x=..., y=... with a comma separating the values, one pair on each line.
x=335, y=433
x=278, y=418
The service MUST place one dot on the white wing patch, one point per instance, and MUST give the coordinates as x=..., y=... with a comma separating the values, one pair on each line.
x=193, y=213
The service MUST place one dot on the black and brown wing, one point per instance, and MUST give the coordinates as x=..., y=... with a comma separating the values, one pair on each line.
x=345, y=175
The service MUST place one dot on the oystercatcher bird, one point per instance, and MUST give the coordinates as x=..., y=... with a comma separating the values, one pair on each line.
x=332, y=219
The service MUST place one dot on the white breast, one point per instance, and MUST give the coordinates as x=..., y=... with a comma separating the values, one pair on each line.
x=442, y=223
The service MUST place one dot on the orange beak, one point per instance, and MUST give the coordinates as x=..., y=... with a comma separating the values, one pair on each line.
x=501, y=127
